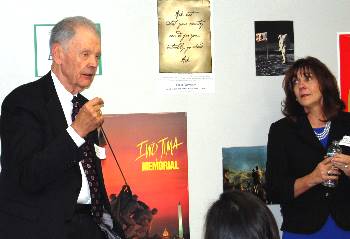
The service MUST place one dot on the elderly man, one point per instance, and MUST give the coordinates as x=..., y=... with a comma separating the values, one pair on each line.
x=51, y=184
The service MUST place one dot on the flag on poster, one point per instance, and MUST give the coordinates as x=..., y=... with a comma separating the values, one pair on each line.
x=151, y=150
x=344, y=70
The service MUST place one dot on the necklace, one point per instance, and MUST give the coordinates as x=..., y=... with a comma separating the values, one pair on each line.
x=323, y=134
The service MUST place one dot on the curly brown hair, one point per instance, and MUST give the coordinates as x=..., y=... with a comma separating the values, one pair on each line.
x=332, y=103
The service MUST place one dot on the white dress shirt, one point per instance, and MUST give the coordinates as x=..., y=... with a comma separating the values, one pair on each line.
x=65, y=98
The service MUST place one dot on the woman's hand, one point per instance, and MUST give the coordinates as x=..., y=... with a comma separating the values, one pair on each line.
x=342, y=162
x=325, y=170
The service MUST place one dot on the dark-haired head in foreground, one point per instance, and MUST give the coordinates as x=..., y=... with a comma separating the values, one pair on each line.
x=240, y=215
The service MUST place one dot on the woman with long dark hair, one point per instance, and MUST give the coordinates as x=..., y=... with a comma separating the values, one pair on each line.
x=297, y=165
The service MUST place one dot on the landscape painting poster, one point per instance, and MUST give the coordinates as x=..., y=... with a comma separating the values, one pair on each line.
x=274, y=47
x=343, y=64
x=244, y=169
x=149, y=188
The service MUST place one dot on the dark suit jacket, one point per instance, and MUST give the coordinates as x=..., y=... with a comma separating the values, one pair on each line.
x=40, y=179
x=294, y=151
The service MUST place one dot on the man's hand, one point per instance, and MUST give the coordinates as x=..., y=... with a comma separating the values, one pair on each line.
x=89, y=117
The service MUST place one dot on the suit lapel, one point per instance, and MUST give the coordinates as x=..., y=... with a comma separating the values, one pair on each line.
x=306, y=133
x=337, y=129
x=53, y=106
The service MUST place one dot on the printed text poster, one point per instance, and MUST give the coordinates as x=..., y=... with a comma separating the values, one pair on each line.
x=184, y=36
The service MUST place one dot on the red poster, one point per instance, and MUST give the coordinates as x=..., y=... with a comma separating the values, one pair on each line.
x=151, y=150
x=344, y=69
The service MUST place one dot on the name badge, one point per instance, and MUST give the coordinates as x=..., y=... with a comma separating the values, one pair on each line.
x=345, y=141
x=100, y=152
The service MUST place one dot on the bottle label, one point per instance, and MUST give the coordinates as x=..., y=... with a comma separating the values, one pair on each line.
x=100, y=152
x=345, y=141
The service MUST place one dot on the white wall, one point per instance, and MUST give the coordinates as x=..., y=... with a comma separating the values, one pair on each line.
x=243, y=106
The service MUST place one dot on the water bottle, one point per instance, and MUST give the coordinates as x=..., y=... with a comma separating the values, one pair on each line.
x=333, y=149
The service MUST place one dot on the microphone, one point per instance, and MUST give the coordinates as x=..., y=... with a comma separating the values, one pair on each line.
x=103, y=141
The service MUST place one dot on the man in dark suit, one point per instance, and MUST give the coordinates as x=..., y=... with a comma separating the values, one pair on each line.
x=45, y=190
